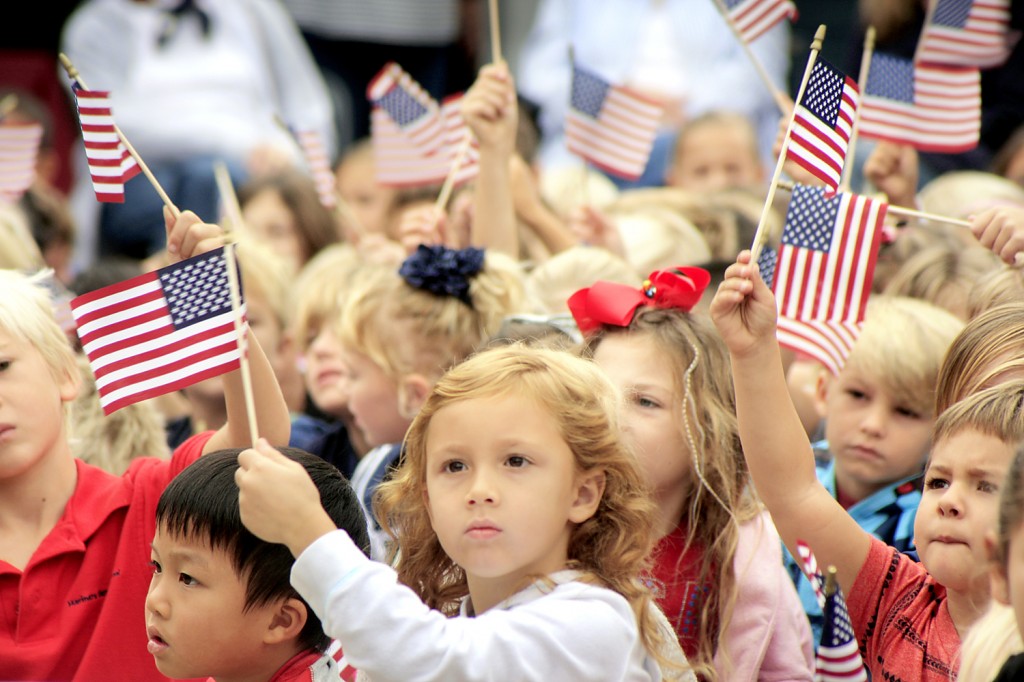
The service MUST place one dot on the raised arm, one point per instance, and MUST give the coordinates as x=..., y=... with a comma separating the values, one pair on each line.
x=491, y=111
x=188, y=236
x=775, y=444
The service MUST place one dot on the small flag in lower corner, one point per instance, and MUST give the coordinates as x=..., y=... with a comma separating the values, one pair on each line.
x=159, y=332
x=838, y=658
x=110, y=163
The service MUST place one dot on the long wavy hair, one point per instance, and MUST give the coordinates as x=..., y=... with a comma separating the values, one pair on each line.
x=721, y=497
x=611, y=548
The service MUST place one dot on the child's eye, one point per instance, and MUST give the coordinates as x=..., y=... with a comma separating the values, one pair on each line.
x=187, y=580
x=4, y=365
x=855, y=394
x=987, y=487
x=907, y=412
x=644, y=401
x=155, y=566
x=517, y=461
x=936, y=483
x=454, y=466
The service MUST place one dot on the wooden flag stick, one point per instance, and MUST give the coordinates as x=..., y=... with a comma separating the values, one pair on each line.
x=449, y=181
x=830, y=581
x=781, y=100
x=492, y=10
x=242, y=340
x=862, y=85
x=227, y=195
x=902, y=211
x=74, y=75
x=759, y=236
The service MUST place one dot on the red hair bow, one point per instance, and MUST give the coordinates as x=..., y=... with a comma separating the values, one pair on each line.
x=609, y=303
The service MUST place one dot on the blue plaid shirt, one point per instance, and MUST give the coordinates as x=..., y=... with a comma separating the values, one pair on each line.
x=888, y=515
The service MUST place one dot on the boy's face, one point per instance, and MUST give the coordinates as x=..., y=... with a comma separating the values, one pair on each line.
x=195, y=614
x=715, y=158
x=326, y=375
x=31, y=408
x=371, y=202
x=373, y=400
x=959, y=505
x=874, y=439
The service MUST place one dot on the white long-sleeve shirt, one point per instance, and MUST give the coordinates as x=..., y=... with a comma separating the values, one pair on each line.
x=574, y=631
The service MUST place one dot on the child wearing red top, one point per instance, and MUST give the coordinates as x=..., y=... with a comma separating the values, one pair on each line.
x=74, y=540
x=908, y=620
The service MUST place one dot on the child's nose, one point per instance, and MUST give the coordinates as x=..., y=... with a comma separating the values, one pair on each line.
x=156, y=601
x=482, y=490
x=950, y=503
x=876, y=419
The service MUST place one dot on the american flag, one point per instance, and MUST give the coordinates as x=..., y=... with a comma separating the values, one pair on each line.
x=159, y=332
x=823, y=277
x=110, y=164
x=611, y=126
x=967, y=33
x=838, y=659
x=410, y=107
x=931, y=107
x=401, y=164
x=19, y=149
x=753, y=18
x=315, y=153
x=823, y=122
x=810, y=567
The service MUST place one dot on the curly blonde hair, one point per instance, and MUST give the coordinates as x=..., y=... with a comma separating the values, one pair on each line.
x=721, y=499
x=611, y=548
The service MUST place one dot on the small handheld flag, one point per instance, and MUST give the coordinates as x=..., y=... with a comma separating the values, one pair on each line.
x=110, y=164
x=160, y=331
x=838, y=659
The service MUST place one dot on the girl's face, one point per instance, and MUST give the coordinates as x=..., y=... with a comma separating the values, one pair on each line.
x=268, y=219
x=503, y=492
x=652, y=421
x=958, y=507
x=373, y=400
x=326, y=376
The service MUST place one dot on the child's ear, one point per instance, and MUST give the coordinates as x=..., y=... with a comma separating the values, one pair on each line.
x=589, y=490
x=69, y=385
x=286, y=622
x=413, y=390
x=822, y=387
x=997, y=571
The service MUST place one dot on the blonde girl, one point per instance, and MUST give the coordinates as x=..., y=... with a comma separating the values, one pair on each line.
x=522, y=525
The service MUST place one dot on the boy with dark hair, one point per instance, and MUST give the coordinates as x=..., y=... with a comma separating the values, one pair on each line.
x=220, y=603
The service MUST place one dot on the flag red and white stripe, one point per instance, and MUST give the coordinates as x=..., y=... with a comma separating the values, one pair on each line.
x=611, y=126
x=753, y=18
x=810, y=567
x=411, y=108
x=19, y=150
x=823, y=124
x=110, y=164
x=401, y=164
x=967, y=33
x=826, y=262
x=930, y=107
x=319, y=164
x=159, y=332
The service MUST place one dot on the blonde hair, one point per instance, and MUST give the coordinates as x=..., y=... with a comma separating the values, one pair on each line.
x=611, y=548
x=27, y=313
x=18, y=249
x=111, y=442
x=910, y=240
x=265, y=275
x=320, y=290
x=997, y=411
x=721, y=498
x=989, y=346
x=406, y=330
x=902, y=345
x=1004, y=284
x=943, y=274
x=553, y=281
x=718, y=118
x=961, y=194
x=991, y=640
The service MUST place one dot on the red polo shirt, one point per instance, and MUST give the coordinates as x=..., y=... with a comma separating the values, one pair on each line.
x=77, y=611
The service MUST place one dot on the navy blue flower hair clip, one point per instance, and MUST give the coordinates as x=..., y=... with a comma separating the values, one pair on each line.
x=443, y=271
